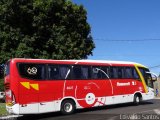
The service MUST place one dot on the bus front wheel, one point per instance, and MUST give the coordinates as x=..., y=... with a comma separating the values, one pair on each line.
x=67, y=107
x=137, y=100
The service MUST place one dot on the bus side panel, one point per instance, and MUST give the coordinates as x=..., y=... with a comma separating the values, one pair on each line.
x=89, y=92
x=50, y=93
x=118, y=90
x=125, y=88
x=40, y=96
x=28, y=96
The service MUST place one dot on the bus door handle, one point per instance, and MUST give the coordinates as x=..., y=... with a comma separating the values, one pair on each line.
x=42, y=104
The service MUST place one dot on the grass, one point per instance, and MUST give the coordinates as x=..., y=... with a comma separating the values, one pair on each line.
x=3, y=111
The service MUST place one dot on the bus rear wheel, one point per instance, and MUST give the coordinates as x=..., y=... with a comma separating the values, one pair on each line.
x=67, y=107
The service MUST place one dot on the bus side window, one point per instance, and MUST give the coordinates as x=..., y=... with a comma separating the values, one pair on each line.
x=76, y=72
x=128, y=73
x=64, y=72
x=56, y=72
x=135, y=74
x=106, y=70
x=113, y=72
x=96, y=74
x=120, y=72
x=53, y=72
x=80, y=72
x=32, y=71
x=85, y=72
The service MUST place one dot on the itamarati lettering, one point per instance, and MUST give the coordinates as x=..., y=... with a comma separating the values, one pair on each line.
x=123, y=84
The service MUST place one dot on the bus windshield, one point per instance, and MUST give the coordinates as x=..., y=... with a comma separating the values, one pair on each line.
x=147, y=77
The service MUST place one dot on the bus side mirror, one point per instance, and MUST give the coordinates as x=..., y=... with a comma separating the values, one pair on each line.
x=152, y=76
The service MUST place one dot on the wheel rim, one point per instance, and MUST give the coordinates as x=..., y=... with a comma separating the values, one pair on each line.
x=68, y=107
x=137, y=100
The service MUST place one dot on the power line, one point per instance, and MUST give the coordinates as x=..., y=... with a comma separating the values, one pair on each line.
x=125, y=40
x=156, y=66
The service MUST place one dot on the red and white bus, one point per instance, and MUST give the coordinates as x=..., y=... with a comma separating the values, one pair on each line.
x=35, y=86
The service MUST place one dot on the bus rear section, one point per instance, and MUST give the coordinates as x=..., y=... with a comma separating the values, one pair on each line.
x=9, y=89
x=27, y=89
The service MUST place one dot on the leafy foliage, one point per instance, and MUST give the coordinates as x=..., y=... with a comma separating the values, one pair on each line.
x=1, y=85
x=52, y=29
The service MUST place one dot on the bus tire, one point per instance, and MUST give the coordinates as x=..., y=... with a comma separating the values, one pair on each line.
x=137, y=100
x=68, y=107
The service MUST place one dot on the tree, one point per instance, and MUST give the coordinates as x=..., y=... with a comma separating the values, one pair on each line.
x=51, y=29
x=1, y=85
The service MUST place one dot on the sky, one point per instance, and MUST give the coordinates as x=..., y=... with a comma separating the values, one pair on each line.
x=125, y=30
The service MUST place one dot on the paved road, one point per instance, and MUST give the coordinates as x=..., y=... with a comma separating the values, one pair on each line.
x=146, y=111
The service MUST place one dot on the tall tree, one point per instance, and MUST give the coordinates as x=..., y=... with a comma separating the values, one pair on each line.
x=54, y=29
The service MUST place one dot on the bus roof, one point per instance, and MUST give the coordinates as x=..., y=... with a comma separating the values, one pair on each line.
x=77, y=61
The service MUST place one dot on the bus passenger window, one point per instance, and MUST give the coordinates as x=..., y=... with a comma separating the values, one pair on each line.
x=64, y=71
x=85, y=72
x=128, y=73
x=80, y=72
x=76, y=74
x=106, y=74
x=53, y=72
x=113, y=72
x=135, y=74
x=32, y=71
x=96, y=74
x=120, y=72
x=56, y=72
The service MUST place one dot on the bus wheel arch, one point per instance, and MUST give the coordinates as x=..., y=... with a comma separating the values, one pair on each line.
x=137, y=99
x=68, y=106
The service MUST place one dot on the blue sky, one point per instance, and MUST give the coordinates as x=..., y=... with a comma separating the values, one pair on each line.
x=126, y=30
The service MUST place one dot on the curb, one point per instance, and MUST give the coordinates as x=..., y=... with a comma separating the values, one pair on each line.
x=157, y=98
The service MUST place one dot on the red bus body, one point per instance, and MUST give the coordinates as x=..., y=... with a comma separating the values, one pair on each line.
x=33, y=96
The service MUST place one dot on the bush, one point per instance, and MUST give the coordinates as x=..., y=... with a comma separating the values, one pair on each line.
x=1, y=85
x=2, y=100
x=2, y=70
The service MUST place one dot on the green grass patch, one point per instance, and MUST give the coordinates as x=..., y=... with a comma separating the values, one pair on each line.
x=3, y=111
